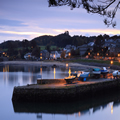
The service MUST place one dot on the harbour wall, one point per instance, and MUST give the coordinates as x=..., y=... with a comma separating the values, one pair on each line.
x=65, y=94
x=50, y=81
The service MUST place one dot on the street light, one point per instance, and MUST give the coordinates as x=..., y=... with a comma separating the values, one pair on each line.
x=89, y=53
x=69, y=54
x=66, y=64
x=111, y=62
x=118, y=54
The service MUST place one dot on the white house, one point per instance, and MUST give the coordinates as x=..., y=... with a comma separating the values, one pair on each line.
x=29, y=56
x=55, y=55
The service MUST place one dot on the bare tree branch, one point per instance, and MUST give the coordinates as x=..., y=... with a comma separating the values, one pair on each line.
x=93, y=6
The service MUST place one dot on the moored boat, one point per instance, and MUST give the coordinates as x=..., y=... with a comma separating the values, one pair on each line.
x=84, y=75
x=69, y=79
x=104, y=70
x=95, y=72
x=116, y=73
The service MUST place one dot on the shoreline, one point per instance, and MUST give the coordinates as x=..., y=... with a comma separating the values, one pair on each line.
x=51, y=63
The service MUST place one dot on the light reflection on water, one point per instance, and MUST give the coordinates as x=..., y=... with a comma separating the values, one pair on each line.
x=14, y=75
x=22, y=75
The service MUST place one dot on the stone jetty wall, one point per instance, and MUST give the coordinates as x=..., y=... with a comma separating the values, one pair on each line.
x=50, y=81
x=64, y=94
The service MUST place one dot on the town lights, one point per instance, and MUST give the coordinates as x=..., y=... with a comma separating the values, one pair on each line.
x=69, y=54
x=118, y=54
x=66, y=64
x=97, y=54
x=111, y=62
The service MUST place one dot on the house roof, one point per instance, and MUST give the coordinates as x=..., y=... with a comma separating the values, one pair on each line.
x=27, y=54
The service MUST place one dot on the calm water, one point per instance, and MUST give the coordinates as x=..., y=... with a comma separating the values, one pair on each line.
x=107, y=108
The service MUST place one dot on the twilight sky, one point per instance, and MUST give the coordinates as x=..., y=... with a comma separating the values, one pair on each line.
x=27, y=19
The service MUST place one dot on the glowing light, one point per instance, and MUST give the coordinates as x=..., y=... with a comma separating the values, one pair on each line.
x=29, y=56
x=54, y=56
x=89, y=53
x=79, y=113
x=66, y=64
x=69, y=54
x=54, y=73
x=97, y=54
x=41, y=70
x=40, y=57
x=3, y=53
x=112, y=109
x=69, y=72
x=111, y=62
x=118, y=54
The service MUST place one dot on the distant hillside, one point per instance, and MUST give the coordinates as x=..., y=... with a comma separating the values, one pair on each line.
x=42, y=40
x=60, y=40
x=6, y=44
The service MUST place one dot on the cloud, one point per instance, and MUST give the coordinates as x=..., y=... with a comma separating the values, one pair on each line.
x=89, y=31
x=7, y=22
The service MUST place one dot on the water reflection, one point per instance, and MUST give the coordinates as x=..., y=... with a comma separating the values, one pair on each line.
x=21, y=75
x=78, y=108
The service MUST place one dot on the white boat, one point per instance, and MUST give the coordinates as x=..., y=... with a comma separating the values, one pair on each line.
x=104, y=70
x=84, y=74
x=116, y=73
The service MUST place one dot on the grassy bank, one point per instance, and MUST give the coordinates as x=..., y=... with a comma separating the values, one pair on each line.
x=96, y=61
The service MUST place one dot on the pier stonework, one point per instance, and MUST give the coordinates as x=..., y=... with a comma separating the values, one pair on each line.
x=33, y=93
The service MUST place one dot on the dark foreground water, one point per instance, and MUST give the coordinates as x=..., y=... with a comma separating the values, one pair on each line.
x=103, y=108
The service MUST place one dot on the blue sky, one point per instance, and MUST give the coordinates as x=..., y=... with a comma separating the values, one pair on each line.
x=27, y=19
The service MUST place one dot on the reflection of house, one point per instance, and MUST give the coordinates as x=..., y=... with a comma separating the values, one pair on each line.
x=44, y=54
x=55, y=55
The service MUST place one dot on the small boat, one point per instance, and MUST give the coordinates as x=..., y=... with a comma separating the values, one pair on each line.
x=69, y=79
x=104, y=70
x=74, y=74
x=95, y=72
x=116, y=73
x=84, y=74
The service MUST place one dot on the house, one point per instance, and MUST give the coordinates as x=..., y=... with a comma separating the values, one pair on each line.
x=55, y=55
x=68, y=48
x=113, y=46
x=28, y=56
x=44, y=54
x=83, y=48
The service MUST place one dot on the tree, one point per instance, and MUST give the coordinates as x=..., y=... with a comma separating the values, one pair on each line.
x=100, y=7
x=36, y=52
x=98, y=43
x=25, y=43
x=48, y=48
x=33, y=44
x=63, y=54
